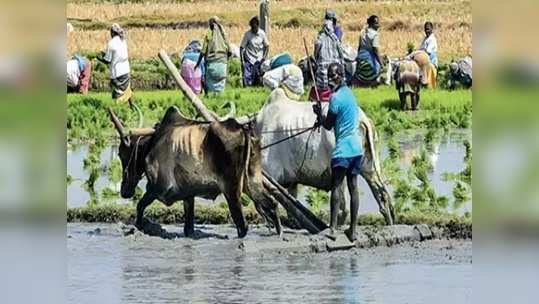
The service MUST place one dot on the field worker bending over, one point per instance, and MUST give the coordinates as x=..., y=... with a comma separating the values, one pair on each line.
x=254, y=49
x=79, y=71
x=460, y=71
x=116, y=56
x=215, y=52
x=193, y=77
x=285, y=75
x=427, y=57
x=327, y=50
x=343, y=117
x=368, y=52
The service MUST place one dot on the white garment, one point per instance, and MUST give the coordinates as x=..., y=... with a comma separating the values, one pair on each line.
x=73, y=73
x=116, y=54
x=288, y=75
x=429, y=44
x=254, y=45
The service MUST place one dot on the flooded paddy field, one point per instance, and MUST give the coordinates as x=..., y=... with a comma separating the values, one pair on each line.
x=104, y=266
x=446, y=156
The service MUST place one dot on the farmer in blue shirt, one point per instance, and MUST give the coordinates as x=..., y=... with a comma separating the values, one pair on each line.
x=343, y=117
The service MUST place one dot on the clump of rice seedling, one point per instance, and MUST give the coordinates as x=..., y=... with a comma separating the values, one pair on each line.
x=317, y=199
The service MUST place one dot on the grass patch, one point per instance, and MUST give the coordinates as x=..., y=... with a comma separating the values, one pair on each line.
x=219, y=214
x=87, y=119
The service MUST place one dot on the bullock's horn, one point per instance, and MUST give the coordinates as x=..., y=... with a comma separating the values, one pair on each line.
x=118, y=125
x=231, y=113
x=139, y=113
x=141, y=131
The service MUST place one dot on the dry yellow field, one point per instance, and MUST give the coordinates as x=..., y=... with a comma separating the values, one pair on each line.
x=291, y=20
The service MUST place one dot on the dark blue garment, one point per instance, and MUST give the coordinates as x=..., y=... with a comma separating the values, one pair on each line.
x=351, y=164
x=252, y=73
x=338, y=31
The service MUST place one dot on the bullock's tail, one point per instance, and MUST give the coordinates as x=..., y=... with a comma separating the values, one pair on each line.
x=246, y=156
x=370, y=137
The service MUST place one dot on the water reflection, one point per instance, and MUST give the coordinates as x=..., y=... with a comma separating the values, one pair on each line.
x=445, y=154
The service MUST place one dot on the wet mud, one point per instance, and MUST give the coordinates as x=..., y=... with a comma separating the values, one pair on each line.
x=108, y=265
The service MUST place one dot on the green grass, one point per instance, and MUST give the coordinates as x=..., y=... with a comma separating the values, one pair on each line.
x=219, y=214
x=87, y=119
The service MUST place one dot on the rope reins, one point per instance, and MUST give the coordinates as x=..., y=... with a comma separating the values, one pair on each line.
x=304, y=130
x=133, y=156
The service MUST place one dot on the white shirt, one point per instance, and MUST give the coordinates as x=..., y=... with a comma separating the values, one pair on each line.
x=116, y=54
x=254, y=45
x=429, y=44
x=288, y=75
x=73, y=73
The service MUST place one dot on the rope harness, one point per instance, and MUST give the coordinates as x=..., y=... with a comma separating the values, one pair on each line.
x=303, y=130
x=133, y=156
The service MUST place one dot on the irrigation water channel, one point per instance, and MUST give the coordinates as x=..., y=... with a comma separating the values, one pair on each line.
x=104, y=266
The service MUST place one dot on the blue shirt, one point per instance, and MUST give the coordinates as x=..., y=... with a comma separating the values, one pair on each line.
x=348, y=140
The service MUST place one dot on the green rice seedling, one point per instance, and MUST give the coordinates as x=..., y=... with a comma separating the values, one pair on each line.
x=461, y=193
x=114, y=171
x=317, y=199
x=108, y=194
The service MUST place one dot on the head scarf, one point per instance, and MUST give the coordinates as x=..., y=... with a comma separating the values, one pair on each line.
x=330, y=14
x=217, y=23
x=117, y=29
x=193, y=47
x=217, y=35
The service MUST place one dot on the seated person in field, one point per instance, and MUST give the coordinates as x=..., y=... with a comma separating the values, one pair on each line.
x=369, y=63
x=327, y=50
x=285, y=75
x=79, y=71
x=193, y=77
x=254, y=49
x=460, y=71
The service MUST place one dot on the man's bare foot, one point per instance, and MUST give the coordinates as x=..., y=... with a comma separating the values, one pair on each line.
x=352, y=236
x=330, y=234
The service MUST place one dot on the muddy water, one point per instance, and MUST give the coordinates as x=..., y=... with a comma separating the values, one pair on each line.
x=446, y=157
x=106, y=267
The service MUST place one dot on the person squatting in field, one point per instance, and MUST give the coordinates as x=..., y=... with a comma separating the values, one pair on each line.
x=215, y=52
x=254, y=49
x=117, y=57
x=342, y=117
x=79, y=72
